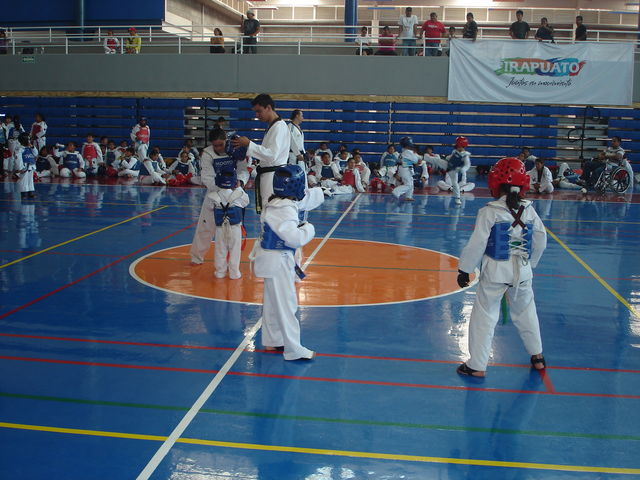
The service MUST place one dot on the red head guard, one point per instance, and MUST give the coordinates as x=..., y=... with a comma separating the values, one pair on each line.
x=133, y=30
x=508, y=171
x=462, y=142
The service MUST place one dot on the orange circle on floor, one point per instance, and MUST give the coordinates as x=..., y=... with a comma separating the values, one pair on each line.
x=342, y=273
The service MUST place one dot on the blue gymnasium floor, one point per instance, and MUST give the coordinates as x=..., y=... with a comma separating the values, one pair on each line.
x=98, y=369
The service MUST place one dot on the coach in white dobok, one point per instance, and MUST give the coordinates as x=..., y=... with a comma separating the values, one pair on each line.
x=297, y=150
x=274, y=151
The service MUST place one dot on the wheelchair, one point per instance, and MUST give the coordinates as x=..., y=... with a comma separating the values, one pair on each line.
x=614, y=178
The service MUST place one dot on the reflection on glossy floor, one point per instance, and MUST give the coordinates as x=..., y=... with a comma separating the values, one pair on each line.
x=98, y=368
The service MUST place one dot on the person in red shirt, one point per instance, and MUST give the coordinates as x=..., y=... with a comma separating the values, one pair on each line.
x=433, y=31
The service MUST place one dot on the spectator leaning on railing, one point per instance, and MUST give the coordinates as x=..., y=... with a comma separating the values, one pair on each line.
x=217, y=41
x=470, y=29
x=408, y=32
x=519, y=29
x=3, y=42
x=545, y=32
x=386, y=42
x=581, y=30
x=433, y=31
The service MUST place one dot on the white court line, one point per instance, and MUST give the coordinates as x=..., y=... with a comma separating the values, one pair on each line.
x=215, y=382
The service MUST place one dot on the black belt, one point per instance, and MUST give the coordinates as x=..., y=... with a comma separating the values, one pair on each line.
x=259, y=172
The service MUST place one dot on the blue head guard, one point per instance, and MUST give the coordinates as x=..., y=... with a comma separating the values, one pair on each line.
x=406, y=142
x=289, y=181
x=226, y=178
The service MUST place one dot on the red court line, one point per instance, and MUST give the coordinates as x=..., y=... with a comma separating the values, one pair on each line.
x=109, y=265
x=321, y=379
x=328, y=355
x=546, y=379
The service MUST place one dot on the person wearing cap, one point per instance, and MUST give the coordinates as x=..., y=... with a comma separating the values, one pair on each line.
x=133, y=42
x=250, y=29
x=408, y=32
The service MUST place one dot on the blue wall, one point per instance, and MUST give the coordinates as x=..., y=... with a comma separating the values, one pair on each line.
x=97, y=12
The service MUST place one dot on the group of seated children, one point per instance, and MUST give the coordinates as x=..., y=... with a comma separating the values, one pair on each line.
x=104, y=159
x=402, y=171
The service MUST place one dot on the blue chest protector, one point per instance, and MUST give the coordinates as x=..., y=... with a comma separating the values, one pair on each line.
x=271, y=241
x=42, y=164
x=109, y=158
x=28, y=158
x=233, y=214
x=455, y=161
x=389, y=160
x=145, y=171
x=327, y=171
x=182, y=168
x=499, y=245
x=136, y=166
x=71, y=161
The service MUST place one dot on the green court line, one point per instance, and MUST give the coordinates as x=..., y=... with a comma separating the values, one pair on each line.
x=374, y=423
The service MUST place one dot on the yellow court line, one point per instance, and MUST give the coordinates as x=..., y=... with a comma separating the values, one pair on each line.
x=595, y=275
x=79, y=238
x=338, y=453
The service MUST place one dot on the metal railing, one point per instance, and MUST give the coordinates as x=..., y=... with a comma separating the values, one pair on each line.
x=73, y=39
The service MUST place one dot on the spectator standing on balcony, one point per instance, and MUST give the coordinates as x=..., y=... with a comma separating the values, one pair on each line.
x=433, y=31
x=364, y=43
x=133, y=42
x=470, y=29
x=250, y=29
x=217, y=42
x=450, y=36
x=581, y=30
x=39, y=132
x=111, y=43
x=408, y=32
x=519, y=29
x=545, y=32
x=386, y=42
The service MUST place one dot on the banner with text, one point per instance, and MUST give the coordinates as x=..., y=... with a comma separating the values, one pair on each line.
x=518, y=71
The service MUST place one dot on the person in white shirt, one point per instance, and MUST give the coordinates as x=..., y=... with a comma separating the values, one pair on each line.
x=507, y=243
x=46, y=166
x=92, y=155
x=214, y=158
x=408, y=32
x=227, y=202
x=363, y=168
x=408, y=158
x=39, y=132
x=326, y=173
x=363, y=41
x=273, y=259
x=71, y=163
x=615, y=155
x=458, y=162
x=128, y=165
x=389, y=165
x=541, y=178
x=111, y=43
x=25, y=165
x=141, y=134
x=151, y=170
x=181, y=171
x=297, y=150
x=274, y=151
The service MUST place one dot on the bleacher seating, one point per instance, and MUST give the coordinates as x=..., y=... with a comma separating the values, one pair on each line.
x=493, y=130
